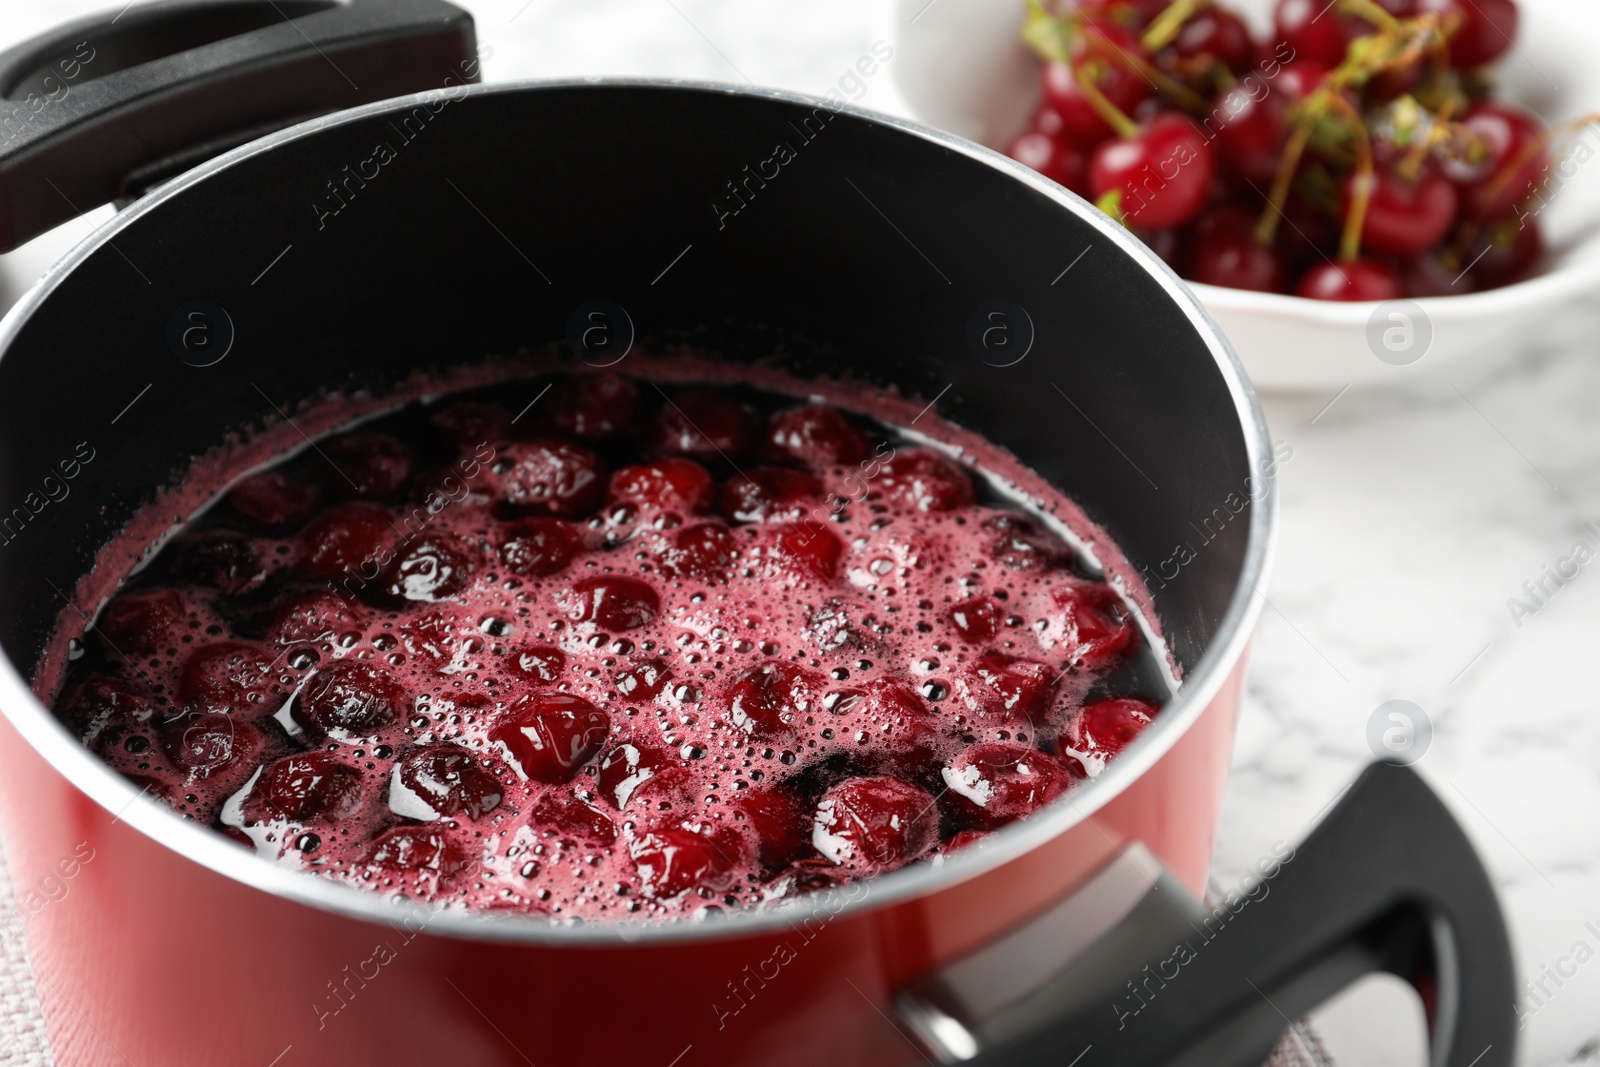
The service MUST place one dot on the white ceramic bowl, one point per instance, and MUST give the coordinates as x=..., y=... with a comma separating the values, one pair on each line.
x=959, y=65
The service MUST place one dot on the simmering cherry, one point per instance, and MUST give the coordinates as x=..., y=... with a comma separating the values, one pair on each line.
x=142, y=621
x=670, y=484
x=371, y=464
x=347, y=543
x=229, y=676
x=274, y=501
x=561, y=813
x=924, y=480
x=310, y=787
x=993, y=784
x=702, y=552
x=347, y=698
x=614, y=602
x=817, y=435
x=873, y=824
x=672, y=862
x=548, y=476
x=593, y=407
x=770, y=494
x=550, y=735
x=808, y=548
x=768, y=702
x=1101, y=730
x=430, y=568
x=536, y=547
x=449, y=781
x=707, y=424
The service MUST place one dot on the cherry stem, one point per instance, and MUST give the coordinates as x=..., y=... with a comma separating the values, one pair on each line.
x=1167, y=25
x=1410, y=168
x=1370, y=11
x=1362, y=187
x=1114, y=116
x=1512, y=167
x=1278, y=199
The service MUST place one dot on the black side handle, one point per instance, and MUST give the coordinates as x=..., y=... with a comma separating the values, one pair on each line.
x=103, y=107
x=1387, y=882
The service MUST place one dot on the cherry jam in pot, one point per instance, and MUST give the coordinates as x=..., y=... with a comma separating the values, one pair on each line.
x=632, y=651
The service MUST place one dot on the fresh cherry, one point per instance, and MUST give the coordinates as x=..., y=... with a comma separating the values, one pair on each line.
x=874, y=824
x=1404, y=218
x=1162, y=173
x=1502, y=161
x=1315, y=31
x=1506, y=251
x=1363, y=279
x=1104, y=53
x=993, y=784
x=1217, y=33
x=1053, y=156
x=551, y=735
x=1227, y=253
x=1485, y=29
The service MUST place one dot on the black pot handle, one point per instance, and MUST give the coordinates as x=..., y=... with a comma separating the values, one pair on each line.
x=1387, y=882
x=104, y=107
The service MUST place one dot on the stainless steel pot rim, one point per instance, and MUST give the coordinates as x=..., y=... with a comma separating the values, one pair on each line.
x=152, y=818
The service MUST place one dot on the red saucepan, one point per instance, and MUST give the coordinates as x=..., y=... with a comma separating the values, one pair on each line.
x=430, y=234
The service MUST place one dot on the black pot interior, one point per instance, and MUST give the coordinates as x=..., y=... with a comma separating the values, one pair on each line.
x=494, y=216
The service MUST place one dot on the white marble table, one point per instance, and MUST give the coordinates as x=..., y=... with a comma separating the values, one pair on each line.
x=1409, y=519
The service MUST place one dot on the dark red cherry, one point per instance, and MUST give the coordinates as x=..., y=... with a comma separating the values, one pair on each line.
x=874, y=824
x=1055, y=157
x=229, y=676
x=346, y=543
x=1103, y=53
x=309, y=616
x=1404, y=218
x=703, y=552
x=1364, y=279
x=992, y=784
x=1090, y=625
x=1218, y=33
x=781, y=821
x=817, y=436
x=1430, y=274
x=274, y=501
x=548, y=476
x=648, y=779
x=537, y=547
x=104, y=710
x=1506, y=251
x=770, y=494
x=450, y=782
x=469, y=423
x=142, y=621
x=1101, y=730
x=1021, y=545
x=219, y=748
x=430, y=568
x=925, y=480
x=1501, y=160
x=977, y=620
x=672, y=862
x=1162, y=173
x=542, y=664
x=643, y=681
x=221, y=559
x=551, y=735
x=1485, y=29
x=1225, y=252
x=426, y=850
x=1252, y=129
x=614, y=602
x=672, y=484
x=562, y=814
x=769, y=702
x=1316, y=32
x=1005, y=690
x=310, y=787
x=372, y=464
x=707, y=424
x=435, y=637
x=808, y=549
x=1300, y=78
x=888, y=717
x=348, y=698
x=593, y=407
